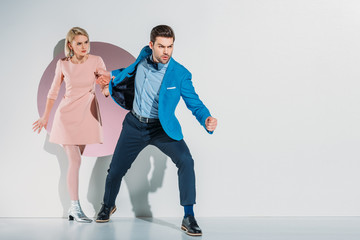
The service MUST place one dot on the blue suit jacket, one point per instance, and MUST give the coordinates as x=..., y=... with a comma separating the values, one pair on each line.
x=176, y=82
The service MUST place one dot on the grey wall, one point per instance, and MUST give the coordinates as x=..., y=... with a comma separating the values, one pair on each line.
x=282, y=77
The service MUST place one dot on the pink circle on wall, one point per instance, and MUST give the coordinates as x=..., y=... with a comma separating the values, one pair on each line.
x=112, y=115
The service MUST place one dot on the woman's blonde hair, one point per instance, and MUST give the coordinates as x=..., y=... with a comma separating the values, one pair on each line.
x=70, y=37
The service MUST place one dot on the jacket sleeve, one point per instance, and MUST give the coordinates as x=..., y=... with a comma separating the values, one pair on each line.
x=192, y=100
x=56, y=84
x=113, y=83
x=116, y=72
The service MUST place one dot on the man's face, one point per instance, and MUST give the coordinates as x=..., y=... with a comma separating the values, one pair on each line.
x=162, y=49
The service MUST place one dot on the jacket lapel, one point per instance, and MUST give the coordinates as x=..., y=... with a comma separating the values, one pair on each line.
x=167, y=75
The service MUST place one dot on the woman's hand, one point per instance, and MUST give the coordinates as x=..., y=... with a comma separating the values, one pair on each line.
x=39, y=124
x=102, y=77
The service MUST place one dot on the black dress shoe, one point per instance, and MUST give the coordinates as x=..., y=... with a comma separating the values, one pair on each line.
x=190, y=226
x=105, y=213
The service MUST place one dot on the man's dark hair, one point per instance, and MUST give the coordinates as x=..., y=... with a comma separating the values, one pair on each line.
x=162, y=31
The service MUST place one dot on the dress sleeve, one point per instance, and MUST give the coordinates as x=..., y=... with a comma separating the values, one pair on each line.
x=55, y=86
x=101, y=64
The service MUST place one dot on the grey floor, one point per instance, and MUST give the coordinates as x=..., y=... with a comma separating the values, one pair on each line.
x=241, y=228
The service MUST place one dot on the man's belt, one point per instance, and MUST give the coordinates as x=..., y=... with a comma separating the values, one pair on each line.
x=144, y=119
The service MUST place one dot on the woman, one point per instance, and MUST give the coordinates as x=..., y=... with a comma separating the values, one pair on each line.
x=77, y=120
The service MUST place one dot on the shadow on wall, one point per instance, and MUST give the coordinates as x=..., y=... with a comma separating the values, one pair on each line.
x=97, y=179
x=97, y=182
x=59, y=48
x=60, y=154
x=146, y=175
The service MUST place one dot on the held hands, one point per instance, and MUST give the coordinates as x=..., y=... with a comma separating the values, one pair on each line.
x=210, y=124
x=102, y=77
x=39, y=124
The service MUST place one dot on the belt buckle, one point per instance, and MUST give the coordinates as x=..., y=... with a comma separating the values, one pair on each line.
x=143, y=119
x=140, y=118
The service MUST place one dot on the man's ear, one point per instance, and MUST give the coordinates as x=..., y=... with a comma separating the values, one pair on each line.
x=151, y=44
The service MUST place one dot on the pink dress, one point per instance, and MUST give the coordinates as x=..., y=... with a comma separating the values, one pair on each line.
x=77, y=120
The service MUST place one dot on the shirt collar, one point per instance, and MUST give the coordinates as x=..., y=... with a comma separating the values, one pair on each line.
x=156, y=66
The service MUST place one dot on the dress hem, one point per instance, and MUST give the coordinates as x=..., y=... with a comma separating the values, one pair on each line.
x=71, y=143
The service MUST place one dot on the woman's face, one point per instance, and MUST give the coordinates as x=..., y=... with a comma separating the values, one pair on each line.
x=80, y=45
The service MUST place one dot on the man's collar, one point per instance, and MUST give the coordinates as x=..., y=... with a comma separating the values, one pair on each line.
x=155, y=65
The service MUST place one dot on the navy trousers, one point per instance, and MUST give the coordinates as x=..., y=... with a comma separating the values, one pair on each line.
x=134, y=137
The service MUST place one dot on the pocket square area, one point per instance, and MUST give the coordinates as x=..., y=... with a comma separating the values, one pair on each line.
x=171, y=87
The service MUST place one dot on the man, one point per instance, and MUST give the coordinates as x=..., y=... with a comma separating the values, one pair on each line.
x=151, y=88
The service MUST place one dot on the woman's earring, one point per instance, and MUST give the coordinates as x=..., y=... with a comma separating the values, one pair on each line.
x=71, y=53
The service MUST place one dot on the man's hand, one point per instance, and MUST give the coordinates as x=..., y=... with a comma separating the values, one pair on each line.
x=210, y=124
x=102, y=77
